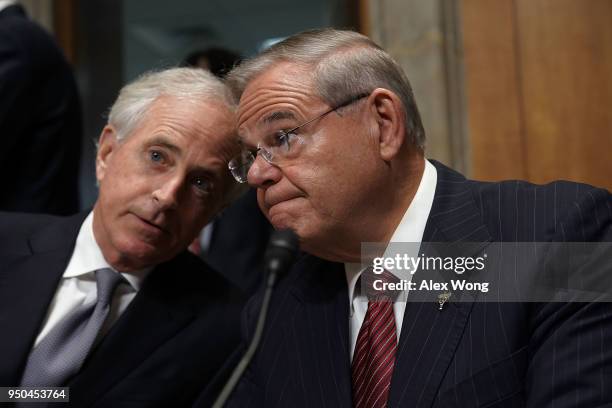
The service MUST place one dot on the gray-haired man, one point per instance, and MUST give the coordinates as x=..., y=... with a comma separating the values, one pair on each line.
x=334, y=144
x=109, y=303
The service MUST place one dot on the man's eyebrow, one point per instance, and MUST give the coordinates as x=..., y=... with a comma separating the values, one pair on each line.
x=161, y=141
x=276, y=116
x=266, y=120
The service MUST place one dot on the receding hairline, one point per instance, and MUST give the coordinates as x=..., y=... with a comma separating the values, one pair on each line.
x=272, y=59
x=136, y=97
x=168, y=99
x=341, y=63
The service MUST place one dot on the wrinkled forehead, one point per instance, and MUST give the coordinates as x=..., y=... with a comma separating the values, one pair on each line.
x=280, y=82
x=193, y=125
x=285, y=91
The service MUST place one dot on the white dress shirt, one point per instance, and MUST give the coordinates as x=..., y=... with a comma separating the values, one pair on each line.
x=410, y=229
x=78, y=284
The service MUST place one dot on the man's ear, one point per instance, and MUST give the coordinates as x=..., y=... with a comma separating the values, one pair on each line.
x=391, y=121
x=107, y=145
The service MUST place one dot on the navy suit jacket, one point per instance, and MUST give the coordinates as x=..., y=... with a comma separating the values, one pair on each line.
x=164, y=349
x=470, y=354
x=40, y=120
x=238, y=243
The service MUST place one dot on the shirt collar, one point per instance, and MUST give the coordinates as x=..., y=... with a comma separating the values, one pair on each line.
x=87, y=257
x=410, y=229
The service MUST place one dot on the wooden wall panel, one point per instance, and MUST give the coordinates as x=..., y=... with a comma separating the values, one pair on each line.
x=64, y=20
x=539, y=89
x=566, y=60
x=492, y=91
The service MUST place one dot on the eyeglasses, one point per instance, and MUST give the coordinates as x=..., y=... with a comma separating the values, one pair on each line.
x=281, y=145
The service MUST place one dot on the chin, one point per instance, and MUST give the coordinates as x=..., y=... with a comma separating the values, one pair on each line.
x=303, y=229
x=139, y=253
x=142, y=253
x=287, y=214
x=282, y=224
x=281, y=220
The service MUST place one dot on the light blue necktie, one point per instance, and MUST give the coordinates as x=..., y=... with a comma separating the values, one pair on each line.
x=60, y=354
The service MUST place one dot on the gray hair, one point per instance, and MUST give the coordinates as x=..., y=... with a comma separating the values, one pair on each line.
x=345, y=64
x=136, y=98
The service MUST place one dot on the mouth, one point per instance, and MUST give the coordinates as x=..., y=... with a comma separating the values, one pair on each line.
x=283, y=213
x=272, y=200
x=151, y=225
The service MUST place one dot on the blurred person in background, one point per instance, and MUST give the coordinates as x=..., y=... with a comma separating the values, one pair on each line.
x=217, y=60
x=40, y=119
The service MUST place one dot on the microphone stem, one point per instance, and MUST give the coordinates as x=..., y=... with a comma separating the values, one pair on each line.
x=248, y=355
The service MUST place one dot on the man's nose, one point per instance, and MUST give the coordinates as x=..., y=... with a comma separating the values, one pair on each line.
x=166, y=195
x=262, y=173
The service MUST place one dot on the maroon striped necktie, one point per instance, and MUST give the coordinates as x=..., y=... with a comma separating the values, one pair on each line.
x=374, y=355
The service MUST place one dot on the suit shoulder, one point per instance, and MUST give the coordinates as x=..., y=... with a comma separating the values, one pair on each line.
x=542, y=210
x=16, y=228
x=31, y=43
x=561, y=193
x=22, y=30
x=24, y=224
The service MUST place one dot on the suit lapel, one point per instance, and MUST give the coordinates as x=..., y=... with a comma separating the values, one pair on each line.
x=430, y=336
x=319, y=332
x=28, y=282
x=155, y=315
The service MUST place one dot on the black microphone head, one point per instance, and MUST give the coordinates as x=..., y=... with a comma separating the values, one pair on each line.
x=282, y=251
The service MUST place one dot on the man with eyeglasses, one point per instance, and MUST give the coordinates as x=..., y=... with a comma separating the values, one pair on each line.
x=333, y=142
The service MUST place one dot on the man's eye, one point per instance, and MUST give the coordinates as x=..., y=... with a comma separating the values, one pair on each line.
x=156, y=156
x=284, y=139
x=202, y=184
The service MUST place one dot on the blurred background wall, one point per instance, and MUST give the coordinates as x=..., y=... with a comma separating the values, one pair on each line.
x=507, y=88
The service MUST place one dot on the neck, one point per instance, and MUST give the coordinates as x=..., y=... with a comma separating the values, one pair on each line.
x=386, y=214
x=114, y=258
x=408, y=178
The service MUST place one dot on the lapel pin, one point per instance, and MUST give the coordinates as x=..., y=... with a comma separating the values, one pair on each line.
x=443, y=298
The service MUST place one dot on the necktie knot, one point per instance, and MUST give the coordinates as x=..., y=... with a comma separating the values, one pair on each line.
x=107, y=281
x=380, y=287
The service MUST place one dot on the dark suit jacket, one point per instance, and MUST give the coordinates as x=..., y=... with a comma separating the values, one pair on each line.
x=239, y=239
x=40, y=120
x=165, y=348
x=470, y=354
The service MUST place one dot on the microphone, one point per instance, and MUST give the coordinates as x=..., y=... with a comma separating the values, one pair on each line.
x=278, y=258
x=281, y=252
